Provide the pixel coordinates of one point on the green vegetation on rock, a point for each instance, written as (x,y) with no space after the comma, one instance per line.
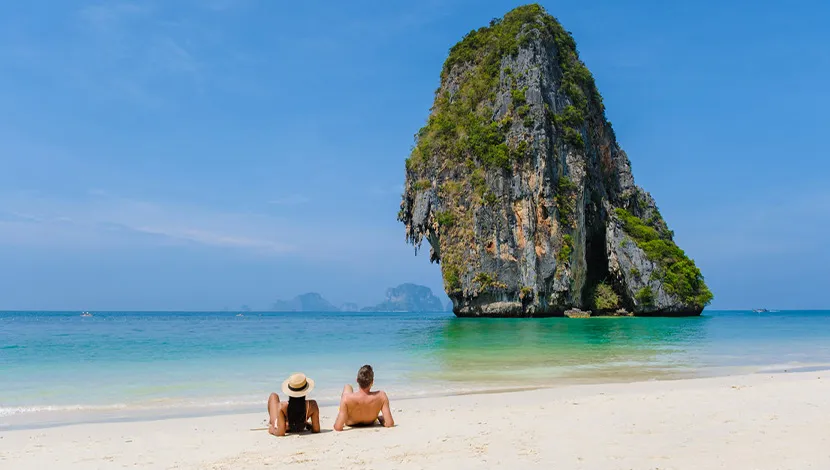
(645,296)
(452,279)
(605,298)
(678,273)
(570,116)
(487,281)
(564,254)
(568,122)
(478,182)
(519,97)
(573,137)
(490,198)
(566,201)
(487,142)
(445,219)
(460,127)
(422,184)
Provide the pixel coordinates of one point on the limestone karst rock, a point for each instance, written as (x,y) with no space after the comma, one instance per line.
(523,193)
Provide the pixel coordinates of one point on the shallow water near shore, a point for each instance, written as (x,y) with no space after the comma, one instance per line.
(60,368)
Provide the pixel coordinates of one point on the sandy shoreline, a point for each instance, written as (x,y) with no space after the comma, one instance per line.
(769,421)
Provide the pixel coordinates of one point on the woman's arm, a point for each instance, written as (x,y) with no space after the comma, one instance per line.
(281,422)
(314,411)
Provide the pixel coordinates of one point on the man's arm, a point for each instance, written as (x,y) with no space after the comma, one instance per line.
(342,416)
(386,410)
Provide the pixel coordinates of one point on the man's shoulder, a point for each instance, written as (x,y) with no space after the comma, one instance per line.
(349,397)
(380,394)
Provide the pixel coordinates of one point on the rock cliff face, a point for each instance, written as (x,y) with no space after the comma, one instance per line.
(523,193)
(408,298)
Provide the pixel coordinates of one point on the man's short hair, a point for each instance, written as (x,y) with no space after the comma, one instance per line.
(365,376)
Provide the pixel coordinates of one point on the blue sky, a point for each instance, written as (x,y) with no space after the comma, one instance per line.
(206,154)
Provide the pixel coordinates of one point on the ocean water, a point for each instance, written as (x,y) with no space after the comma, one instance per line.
(59,367)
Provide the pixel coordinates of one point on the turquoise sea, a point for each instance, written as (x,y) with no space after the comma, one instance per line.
(59,367)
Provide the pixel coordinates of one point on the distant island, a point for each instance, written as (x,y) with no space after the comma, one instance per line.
(406,297)
(527,200)
(310,302)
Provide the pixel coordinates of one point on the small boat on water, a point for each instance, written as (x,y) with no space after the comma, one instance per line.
(760,310)
(86,314)
(239,315)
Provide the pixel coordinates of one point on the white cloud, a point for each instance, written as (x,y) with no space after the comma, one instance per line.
(101,220)
(142,53)
(111,16)
(290,200)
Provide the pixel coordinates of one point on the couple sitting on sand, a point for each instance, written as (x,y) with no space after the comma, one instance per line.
(361,408)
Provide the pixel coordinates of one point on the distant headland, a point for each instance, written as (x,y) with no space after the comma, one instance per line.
(406,297)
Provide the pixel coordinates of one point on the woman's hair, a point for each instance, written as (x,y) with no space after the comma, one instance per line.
(296,413)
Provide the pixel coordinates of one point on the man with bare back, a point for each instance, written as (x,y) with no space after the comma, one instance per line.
(363,407)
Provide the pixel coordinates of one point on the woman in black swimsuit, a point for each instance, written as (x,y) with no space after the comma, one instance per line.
(298,414)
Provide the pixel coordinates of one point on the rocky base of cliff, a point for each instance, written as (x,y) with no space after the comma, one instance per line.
(489,308)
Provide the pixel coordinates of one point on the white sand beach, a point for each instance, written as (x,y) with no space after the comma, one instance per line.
(771,421)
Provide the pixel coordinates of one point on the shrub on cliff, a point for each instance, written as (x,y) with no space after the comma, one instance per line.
(564,255)
(487,281)
(566,200)
(678,273)
(445,219)
(605,298)
(645,296)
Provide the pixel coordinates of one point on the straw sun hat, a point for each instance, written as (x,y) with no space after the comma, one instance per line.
(298,385)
